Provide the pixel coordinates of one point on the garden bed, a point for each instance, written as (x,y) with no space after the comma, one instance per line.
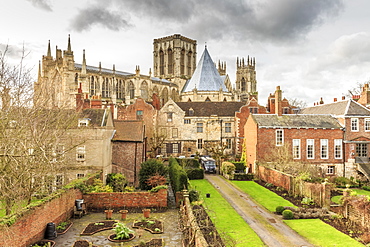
(93,228)
(63,227)
(153,226)
(82,243)
(154,242)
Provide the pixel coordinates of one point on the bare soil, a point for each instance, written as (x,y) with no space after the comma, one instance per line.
(153,226)
(82,243)
(95,227)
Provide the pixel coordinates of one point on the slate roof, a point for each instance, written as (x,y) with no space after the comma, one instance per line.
(205,76)
(117,72)
(341,108)
(206,109)
(129,131)
(296,121)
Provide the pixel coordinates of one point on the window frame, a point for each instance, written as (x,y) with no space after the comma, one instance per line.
(330,170)
(200,143)
(308,144)
(279,137)
(324,148)
(338,148)
(296,148)
(354,124)
(199,127)
(228,127)
(367,124)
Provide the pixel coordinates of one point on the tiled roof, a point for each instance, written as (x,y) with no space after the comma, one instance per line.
(97,117)
(205,109)
(130,131)
(206,76)
(341,108)
(296,121)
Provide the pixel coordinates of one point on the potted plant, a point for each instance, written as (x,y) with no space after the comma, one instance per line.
(123,233)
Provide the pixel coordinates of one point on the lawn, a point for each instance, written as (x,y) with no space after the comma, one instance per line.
(262,196)
(321,234)
(336,199)
(225,218)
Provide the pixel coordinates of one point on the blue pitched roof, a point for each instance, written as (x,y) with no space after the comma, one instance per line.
(206,76)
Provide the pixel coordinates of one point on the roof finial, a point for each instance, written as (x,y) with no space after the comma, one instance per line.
(69,43)
(49,51)
(205,44)
(83,70)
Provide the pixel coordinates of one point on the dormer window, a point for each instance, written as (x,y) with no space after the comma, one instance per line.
(191,112)
(83,122)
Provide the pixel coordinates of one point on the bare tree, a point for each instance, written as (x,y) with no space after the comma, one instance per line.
(155,142)
(33,140)
(356,90)
(217,150)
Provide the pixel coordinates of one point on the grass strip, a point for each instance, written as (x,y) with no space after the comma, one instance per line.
(321,234)
(262,196)
(225,218)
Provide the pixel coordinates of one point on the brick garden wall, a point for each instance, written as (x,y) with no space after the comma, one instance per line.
(319,193)
(102,201)
(30,228)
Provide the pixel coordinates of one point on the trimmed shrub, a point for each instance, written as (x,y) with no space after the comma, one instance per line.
(288,214)
(279,209)
(178,176)
(243,176)
(150,168)
(228,169)
(117,181)
(188,163)
(195,173)
(239,166)
(366,188)
(193,195)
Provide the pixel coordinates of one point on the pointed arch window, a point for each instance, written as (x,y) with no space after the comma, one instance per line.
(243,85)
(105,88)
(120,90)
(182,62)
(131,90)
(170,61)
(76,78)
(93,86)
(144,90)
(190,54)
(161,62)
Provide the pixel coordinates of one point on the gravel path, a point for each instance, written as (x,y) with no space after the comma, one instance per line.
(269,227)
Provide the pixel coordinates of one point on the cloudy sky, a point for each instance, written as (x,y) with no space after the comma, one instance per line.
(311,48)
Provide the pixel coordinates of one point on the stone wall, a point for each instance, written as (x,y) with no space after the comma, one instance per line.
(30,227)
(102,201)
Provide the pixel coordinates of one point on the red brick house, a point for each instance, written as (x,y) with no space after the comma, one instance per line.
(128,149)
(355,118)
(314,139)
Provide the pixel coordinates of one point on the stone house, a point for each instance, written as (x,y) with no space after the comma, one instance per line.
(128,149)
(313,139)
(191,125)
(355,119)
(93,148)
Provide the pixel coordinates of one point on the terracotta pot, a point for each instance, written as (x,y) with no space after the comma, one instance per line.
(123,214)
(112,236)
(146,213)
(108,214)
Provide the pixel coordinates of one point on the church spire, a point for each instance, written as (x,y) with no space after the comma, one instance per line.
(39,74)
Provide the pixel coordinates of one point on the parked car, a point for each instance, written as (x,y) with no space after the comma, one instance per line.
(208,164)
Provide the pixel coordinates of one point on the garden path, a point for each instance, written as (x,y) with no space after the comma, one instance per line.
(269,227)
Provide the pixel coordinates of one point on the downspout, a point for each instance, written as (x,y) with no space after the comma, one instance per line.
(344,152)
(135,164)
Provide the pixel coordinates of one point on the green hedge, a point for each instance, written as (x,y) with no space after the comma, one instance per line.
(178,176)
(239,165)
(188,163)
(243,176)
(196,173)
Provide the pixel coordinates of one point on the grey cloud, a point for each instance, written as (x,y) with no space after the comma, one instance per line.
(12,51)
(42,4)
(97,15)
(241,20)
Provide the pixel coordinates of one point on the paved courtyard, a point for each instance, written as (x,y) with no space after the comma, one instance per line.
(172,235)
